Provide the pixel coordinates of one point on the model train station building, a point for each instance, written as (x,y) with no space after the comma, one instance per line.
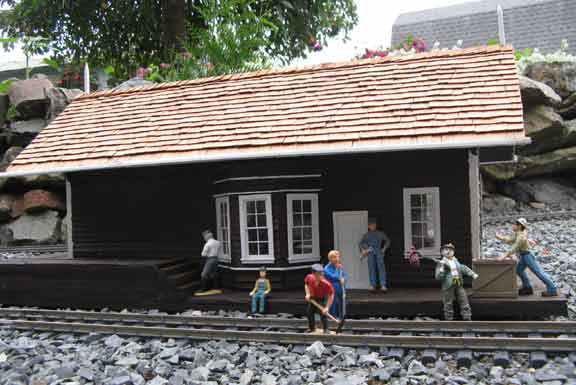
(285,165)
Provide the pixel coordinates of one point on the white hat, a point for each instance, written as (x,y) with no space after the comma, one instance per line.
(523,222)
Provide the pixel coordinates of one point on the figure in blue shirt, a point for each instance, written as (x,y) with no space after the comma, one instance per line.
(374,245)
(334,273)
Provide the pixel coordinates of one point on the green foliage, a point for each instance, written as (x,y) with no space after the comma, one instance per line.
(128,34)
(492,42)
(5,85)
(522,54)
(230,44)
(12,113)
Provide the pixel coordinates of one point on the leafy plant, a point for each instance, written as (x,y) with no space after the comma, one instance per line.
(230,44)
(5,85)
(29,46)
(12,113)
(529,56)
(130,34)
(492,42)
(522,54)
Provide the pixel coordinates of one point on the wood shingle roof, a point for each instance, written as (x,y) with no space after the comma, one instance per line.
(457,98)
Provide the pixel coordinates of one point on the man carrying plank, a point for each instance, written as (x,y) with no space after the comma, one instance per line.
(318,290)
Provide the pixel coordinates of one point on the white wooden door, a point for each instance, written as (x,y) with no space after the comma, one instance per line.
(349,227)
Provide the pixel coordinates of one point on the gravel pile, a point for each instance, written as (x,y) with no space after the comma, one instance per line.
(51,359)
(555,251)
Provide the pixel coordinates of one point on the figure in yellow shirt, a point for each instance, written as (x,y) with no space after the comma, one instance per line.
(261,289)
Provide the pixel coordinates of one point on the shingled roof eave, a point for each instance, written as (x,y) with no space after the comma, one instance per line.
(267,155)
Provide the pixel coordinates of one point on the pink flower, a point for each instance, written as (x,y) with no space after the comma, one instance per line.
(164,65)
(315,45)
(142,72)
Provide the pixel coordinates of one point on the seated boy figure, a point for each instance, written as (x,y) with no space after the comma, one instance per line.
(261,290)
(451,273)
(319,290)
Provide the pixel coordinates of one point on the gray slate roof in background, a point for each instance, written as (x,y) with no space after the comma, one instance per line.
(528,24)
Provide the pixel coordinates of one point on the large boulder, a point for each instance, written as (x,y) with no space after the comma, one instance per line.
(561,77)
(59,99)
(9,156)
(42,200)
(29,97)
(535,93)
(567,109)
(41,228)
(33,182)
(551,138)
(542,122)
(556,161)
(6,202)
(542,190)
(32,126)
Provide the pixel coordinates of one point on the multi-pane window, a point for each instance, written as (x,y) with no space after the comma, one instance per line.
(256,228)
(223,227)
(303,236)
(422,219)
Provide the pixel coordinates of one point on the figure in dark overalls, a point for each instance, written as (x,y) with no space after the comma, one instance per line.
(374,245)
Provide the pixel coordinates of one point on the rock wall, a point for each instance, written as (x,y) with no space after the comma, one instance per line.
(545,173)
(32,208)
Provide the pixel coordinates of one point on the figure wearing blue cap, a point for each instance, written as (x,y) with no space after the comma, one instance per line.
(319,295)
(374,245)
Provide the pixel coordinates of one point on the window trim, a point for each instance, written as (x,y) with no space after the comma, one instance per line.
(223,257)
(245,257)
(315,255)
(435,191)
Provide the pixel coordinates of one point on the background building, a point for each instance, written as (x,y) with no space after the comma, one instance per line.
(528,24)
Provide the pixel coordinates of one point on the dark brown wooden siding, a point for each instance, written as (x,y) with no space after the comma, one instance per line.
(143,213)
(160,212)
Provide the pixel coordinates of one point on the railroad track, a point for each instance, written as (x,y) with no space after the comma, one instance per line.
(538,336)
(531,217)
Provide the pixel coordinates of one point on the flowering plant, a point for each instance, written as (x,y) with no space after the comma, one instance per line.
(410,45)
(530,56)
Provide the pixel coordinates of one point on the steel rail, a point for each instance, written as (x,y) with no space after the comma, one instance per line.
(510,327)
(372,340)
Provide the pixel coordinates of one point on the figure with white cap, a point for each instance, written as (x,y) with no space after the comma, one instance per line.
(210,251)
(320,291)
(452,273)
(526,259)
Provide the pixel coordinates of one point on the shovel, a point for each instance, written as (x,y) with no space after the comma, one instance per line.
(339,322)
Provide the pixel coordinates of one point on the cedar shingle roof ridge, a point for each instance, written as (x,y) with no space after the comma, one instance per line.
(303,69)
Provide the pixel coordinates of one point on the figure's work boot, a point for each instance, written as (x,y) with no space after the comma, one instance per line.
(549,294)
(526,291)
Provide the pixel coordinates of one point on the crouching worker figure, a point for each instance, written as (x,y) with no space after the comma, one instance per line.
(451,273)
(319,295)
(261,290)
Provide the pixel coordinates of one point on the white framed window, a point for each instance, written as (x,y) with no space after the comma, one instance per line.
(256,232)
(223,227)
(422,219)
(303,233)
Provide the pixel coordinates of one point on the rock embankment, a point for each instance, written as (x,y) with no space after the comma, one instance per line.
(32,209)
(545,174)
